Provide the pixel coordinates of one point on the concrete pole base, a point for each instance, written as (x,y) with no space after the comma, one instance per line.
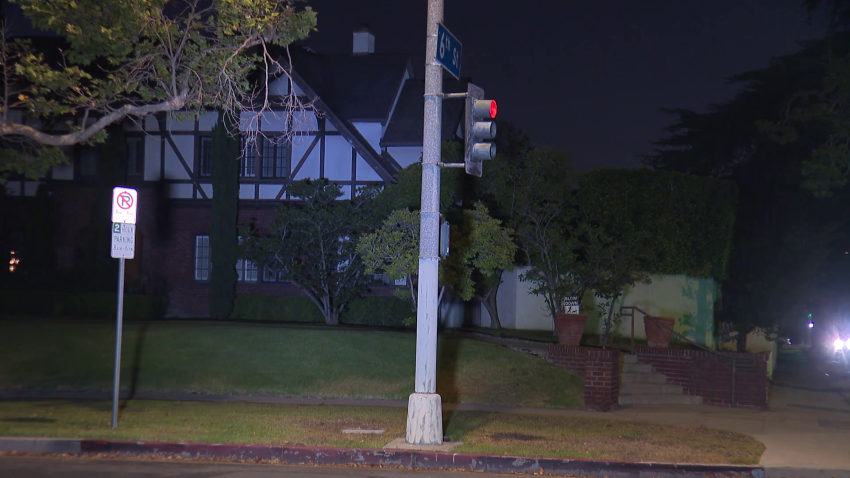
(424,419)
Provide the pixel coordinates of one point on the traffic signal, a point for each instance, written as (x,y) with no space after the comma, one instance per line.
(480,130)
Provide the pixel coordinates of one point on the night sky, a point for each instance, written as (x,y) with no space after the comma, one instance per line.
(586,77)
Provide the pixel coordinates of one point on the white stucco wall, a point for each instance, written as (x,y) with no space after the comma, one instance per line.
(689,300)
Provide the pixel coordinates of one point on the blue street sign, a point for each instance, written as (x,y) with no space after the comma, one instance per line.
(448,51)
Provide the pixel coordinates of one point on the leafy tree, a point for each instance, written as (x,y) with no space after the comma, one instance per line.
(818,116)
(394,250)
(534,191)
(480,246)
(484,249)
(608,264)
(313,243)
(406,192)
(224,242)
(132,59)
(782,233)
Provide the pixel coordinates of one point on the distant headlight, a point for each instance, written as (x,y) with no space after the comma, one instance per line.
(839,344)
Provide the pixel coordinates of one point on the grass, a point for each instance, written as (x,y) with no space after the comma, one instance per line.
(228,358)
(536,335)
(489,433)
(590,340)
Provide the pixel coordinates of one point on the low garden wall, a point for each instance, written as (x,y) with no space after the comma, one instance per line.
(709,375)
(600,369)
(700,373)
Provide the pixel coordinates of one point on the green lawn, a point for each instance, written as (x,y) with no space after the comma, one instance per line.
(227,358)
(490,433)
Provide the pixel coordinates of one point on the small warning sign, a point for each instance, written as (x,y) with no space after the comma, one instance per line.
(123,240)
(124,205)
(571,305)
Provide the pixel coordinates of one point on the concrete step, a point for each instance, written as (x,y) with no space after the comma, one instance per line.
(643,378)
(637,368)
(659,399)
(635,388)
(628,358)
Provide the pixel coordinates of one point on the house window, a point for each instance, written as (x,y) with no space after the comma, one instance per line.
(135,156)
(246,271)
(88,162)
(202,258)
(248,168)
(206,157)
(273,275)
(275,155)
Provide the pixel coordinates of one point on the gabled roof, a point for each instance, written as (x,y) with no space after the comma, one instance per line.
(406,125)
(356,87)
(384,165)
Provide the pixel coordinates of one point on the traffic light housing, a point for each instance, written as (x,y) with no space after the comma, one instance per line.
(480,130)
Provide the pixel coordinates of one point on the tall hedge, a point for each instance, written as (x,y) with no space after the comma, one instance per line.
(688,220)
(224,241)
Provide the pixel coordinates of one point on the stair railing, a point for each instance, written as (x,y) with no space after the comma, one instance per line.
(629,311)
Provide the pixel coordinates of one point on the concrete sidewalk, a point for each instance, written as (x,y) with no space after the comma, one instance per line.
(807,433)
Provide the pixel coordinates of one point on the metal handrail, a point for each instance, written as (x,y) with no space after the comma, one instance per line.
(631,314)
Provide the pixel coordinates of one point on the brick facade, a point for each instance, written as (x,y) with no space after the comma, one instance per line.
(165,244)
(600,369)
(709,375)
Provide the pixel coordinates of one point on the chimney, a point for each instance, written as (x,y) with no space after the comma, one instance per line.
(364,41)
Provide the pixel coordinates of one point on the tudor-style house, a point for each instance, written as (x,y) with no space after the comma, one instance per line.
(365,124)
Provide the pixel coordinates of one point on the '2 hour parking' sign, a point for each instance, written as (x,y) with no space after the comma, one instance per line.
(123,240)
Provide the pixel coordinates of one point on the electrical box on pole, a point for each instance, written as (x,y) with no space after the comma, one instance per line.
(480,130)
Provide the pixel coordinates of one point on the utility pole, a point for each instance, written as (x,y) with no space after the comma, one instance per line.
(424,409)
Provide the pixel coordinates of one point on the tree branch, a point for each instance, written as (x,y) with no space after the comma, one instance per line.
(9,128)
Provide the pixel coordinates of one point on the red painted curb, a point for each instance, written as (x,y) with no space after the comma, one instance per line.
(421,460)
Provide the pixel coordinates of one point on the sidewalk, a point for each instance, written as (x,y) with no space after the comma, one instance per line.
(807,433)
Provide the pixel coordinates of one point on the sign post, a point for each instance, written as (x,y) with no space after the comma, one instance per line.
(124,202)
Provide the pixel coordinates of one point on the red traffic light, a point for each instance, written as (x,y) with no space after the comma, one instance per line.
(484,109)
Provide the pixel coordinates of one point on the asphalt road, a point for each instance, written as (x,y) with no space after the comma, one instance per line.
(30,467)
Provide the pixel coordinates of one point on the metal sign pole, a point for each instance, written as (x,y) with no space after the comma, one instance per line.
(118,328)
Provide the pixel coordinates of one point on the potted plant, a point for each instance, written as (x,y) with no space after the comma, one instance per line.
(559,281)
(659,330)
(569,325)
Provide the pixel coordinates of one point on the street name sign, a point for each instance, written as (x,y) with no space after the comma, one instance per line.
(124,204)
(123,240)
(448,51)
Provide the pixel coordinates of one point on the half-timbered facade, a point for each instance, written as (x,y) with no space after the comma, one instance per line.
(363,125)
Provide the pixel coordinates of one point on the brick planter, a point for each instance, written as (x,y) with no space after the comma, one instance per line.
(600,369)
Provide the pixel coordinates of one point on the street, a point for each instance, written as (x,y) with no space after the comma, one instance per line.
(30,467)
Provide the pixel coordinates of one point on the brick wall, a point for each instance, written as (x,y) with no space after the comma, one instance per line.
(602,379)
(600,369)
(709,375)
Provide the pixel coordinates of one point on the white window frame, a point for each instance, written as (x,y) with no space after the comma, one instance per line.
(202,254)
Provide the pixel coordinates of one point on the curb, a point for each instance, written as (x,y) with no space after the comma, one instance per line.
(293,455)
